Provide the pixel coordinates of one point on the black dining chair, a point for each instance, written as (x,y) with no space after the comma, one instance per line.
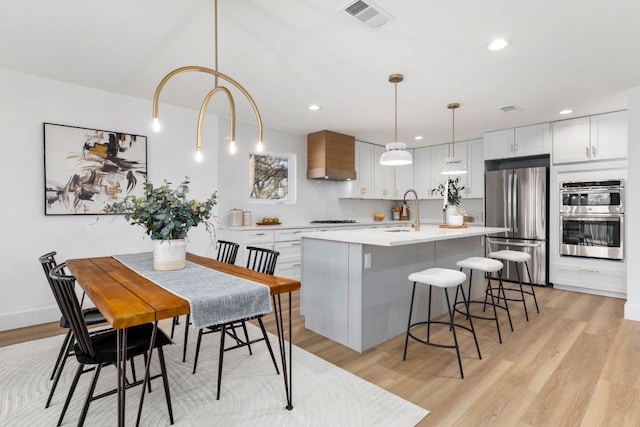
(100,349)
(91,317)
(227,253)
(261,260)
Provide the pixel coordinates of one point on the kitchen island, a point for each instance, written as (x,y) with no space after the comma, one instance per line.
(354,282)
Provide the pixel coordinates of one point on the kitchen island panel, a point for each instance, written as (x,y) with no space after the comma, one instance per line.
(362,307)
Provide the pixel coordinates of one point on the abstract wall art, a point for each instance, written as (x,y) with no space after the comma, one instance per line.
(86,168)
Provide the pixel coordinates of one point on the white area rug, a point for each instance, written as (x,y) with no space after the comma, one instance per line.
(252,394)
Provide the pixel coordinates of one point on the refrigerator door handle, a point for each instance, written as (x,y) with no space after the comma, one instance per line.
(515,203)
(509,205)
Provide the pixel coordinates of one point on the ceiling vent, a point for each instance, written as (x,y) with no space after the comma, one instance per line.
(368,13)
(510,109)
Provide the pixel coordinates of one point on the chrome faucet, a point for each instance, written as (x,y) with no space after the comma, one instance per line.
(416,224)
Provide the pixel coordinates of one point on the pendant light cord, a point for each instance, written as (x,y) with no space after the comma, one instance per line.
(395,106)
(453,132)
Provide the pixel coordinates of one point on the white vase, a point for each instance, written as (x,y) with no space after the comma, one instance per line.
(169,254)
(453,215)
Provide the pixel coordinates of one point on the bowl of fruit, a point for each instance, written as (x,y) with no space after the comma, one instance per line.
(269,221)
(379,216)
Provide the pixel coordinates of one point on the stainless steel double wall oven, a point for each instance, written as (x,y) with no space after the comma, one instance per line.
(592,219)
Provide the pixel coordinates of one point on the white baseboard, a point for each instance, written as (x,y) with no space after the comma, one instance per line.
(632,311)
(26,318)
(590,291)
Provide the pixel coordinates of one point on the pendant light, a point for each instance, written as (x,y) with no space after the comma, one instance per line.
(216,88)
(396,155)
(453,166)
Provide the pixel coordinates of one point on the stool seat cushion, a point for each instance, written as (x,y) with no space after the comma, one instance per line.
(441,277)
(507,255)
(487,265)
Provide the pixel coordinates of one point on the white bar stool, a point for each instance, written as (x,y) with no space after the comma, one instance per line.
(487,266)
(518,257)
(442,278)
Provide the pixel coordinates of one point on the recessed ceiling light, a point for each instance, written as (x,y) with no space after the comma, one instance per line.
(418,138)
(313,107)
(498,44)
(567,111)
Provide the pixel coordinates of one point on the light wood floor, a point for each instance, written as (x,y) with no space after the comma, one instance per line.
(577,363)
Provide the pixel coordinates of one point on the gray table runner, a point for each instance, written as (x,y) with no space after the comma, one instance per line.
(214,297)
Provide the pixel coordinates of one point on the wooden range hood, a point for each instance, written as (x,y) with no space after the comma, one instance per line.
(331,156)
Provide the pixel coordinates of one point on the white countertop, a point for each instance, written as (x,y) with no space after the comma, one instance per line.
(398,236)
(364,223)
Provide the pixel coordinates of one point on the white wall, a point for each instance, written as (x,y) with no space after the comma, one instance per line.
(26,103)
(632,307)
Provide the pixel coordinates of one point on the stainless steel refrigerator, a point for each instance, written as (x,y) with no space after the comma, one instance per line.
(517,198)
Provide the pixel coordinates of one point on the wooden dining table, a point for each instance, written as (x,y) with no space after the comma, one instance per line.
(126,299)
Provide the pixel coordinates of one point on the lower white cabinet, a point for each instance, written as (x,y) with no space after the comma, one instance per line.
(593,276)
(286,241)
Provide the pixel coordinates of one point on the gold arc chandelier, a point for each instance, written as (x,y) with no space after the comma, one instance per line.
(205,103)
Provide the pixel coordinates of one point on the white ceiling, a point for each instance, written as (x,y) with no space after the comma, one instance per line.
(288,54)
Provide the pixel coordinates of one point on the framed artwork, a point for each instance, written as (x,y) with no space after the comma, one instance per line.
(272,178)
(86,168)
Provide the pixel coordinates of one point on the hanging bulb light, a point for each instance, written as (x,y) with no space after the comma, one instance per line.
(217,88)
(453,166)
(396,155)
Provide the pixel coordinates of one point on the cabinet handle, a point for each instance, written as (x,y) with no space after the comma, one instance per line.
(593,151)
(297,232)
(586,151)
(296,265)
(259,234)
(589,270)
(515,147)
(296,244)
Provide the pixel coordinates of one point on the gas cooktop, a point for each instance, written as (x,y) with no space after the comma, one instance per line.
(333,221)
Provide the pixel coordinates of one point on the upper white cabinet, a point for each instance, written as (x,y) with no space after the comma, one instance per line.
(532,140)
(362,187)
(474,189)
(422,172)
(404,176)
(439,154)
(499,144)
(384,177)
(599,137)
(518,142)
(609,136)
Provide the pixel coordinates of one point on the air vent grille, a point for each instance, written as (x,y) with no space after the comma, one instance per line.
(509,109)
(368,13)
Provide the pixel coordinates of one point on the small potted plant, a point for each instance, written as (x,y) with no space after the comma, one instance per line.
(167,215)
(453,193)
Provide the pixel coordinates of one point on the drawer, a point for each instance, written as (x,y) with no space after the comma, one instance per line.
(289,251)
(593,277)
(289,270)
(258,236)
(289,234)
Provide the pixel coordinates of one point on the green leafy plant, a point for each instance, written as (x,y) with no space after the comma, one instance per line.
(454,195)
(165,213)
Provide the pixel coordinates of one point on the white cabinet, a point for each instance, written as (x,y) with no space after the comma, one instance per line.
(404,176)
(594,277)
(572,140)
(439,154)
(583,139)
(609,136)
(422,172)
(518,142)
(384,177)
(475,169)
(532,140)
(286,241)
(499,144)
(362,187)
